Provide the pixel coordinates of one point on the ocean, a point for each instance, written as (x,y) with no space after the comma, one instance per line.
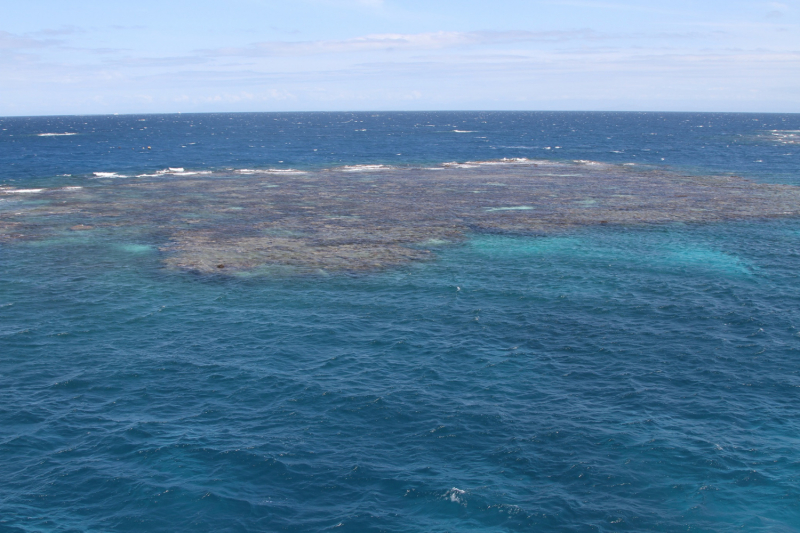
(401,322)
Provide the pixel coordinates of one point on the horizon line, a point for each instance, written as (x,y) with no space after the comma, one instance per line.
(401,111)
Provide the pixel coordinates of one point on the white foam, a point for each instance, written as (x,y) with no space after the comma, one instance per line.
(459,165)
(75,188)
(21,191)
(108,175)
(508,161)
(786,136)
(285,171)
(269,171)
(455,494)
(170,170)
(66,133)
(514,208)
(170,173)
(495,162)
(173,171)
(463,131)
(364,168)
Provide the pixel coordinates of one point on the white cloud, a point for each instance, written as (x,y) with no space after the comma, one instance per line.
(400,41)
(10,41)
(63,30)
(576,68)
(350,3)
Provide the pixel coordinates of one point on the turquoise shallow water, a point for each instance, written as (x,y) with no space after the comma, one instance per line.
(599,379)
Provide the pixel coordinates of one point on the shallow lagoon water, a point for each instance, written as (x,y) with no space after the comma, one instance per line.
(599,378)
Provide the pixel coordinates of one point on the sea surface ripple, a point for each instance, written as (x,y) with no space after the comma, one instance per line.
(601,379)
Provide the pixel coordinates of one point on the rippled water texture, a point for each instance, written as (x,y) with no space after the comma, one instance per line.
(541,345)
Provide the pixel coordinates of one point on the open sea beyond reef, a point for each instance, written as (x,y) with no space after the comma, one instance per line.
(403,322)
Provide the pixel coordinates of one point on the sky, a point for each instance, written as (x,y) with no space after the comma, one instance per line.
(146,56)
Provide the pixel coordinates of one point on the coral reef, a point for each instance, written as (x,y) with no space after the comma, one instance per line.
(345,220)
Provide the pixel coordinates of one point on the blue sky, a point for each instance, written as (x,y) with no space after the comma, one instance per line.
(260,55)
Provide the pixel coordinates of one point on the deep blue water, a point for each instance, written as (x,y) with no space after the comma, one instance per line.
(604,379)
(696,142)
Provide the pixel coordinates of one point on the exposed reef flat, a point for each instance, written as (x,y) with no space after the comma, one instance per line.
(345,220)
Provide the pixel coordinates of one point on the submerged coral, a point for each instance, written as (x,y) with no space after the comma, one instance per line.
(339,219)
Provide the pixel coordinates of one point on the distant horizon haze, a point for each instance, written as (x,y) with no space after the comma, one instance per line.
(406,111)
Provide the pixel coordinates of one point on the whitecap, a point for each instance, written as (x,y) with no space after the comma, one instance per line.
(785,136)
(285,171)
(108,175)
(512,208)
(455,494)
(364,168)
(175,171)
(268,171)
(493,162)
(66,133)
(463,131)
(21,191)
(459,165)
(504,161)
